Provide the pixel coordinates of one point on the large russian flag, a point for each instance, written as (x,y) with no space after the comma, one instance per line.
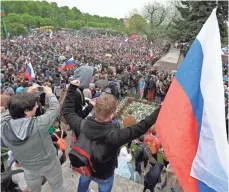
(69,64)
(191,124)
(29,72)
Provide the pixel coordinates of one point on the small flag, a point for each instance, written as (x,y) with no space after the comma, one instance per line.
(191,124)
(29,72)
(150,55)
(69,64)
(50,35)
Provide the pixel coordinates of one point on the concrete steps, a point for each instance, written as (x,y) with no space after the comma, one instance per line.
(71,180)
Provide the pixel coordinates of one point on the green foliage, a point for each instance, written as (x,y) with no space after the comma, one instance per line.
(159,17)
(14,18)
(27,19)
(39,21)
(16,29)
(39,13)
(193,16)
(137,23)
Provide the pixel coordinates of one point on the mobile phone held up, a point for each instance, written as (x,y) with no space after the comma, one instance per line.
(40,89)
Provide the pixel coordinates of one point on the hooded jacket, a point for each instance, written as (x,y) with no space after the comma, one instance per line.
(84,75)
(29,139)
(108,139)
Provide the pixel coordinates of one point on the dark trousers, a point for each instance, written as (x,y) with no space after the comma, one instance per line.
(145,93)
(138,167)
(151,190)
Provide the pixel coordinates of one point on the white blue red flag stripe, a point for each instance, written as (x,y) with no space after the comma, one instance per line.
(191,123)
(29,71)
(150,54)
(69,64)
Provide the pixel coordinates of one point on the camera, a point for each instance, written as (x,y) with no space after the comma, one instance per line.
(40,89)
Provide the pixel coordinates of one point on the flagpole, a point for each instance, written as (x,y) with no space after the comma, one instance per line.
(4,23)
(217,3)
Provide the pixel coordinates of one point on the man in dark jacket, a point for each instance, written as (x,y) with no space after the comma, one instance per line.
(100,128)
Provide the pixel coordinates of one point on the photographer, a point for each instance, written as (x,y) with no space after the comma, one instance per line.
(28,138)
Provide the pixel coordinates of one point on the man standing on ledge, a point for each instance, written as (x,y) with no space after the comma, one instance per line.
(28,138)
(100,129)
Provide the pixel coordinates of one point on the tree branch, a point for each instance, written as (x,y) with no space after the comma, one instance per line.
(163,15)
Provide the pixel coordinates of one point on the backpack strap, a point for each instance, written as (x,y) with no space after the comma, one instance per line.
(14,172)
(81,95)
(82,124)
(56,136)
(62,134)
(11,164)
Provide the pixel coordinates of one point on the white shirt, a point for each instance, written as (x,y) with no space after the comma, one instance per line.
(19,178)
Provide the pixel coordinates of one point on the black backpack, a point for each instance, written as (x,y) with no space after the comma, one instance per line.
(7,185)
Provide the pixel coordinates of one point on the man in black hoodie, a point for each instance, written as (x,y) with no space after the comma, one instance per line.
(100,128)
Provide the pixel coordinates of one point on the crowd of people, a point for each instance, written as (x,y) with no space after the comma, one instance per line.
(35,113)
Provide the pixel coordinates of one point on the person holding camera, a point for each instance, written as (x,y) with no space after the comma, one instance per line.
(28,138)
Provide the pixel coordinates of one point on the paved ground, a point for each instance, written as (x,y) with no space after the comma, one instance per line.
(71,180)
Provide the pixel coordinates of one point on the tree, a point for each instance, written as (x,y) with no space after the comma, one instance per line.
(28,20)
(39,21)
(155,13)
(160,17)
(70,24)
(38,13)
(47,21)
(14,18)
(62,20)
(16,29)
(36,8)
(137,23)
(193,16)
(78,24)
(54,4)
(46,11)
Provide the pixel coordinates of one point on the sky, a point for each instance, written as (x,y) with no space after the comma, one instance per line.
(109,8)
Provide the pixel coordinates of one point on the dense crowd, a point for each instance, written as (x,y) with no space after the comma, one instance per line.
(129,59)
(83,98)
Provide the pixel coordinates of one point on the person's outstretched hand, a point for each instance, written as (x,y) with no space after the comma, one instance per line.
(33,89)
(75,82)
(93,102)
(47,90)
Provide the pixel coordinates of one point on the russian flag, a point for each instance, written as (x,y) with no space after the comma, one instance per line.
(150,54)
(69,64)
(191,124)
(29,72)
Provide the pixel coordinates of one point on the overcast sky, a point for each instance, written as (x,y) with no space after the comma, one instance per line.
(109,8)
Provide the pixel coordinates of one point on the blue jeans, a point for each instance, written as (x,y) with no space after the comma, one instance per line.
(105,185)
